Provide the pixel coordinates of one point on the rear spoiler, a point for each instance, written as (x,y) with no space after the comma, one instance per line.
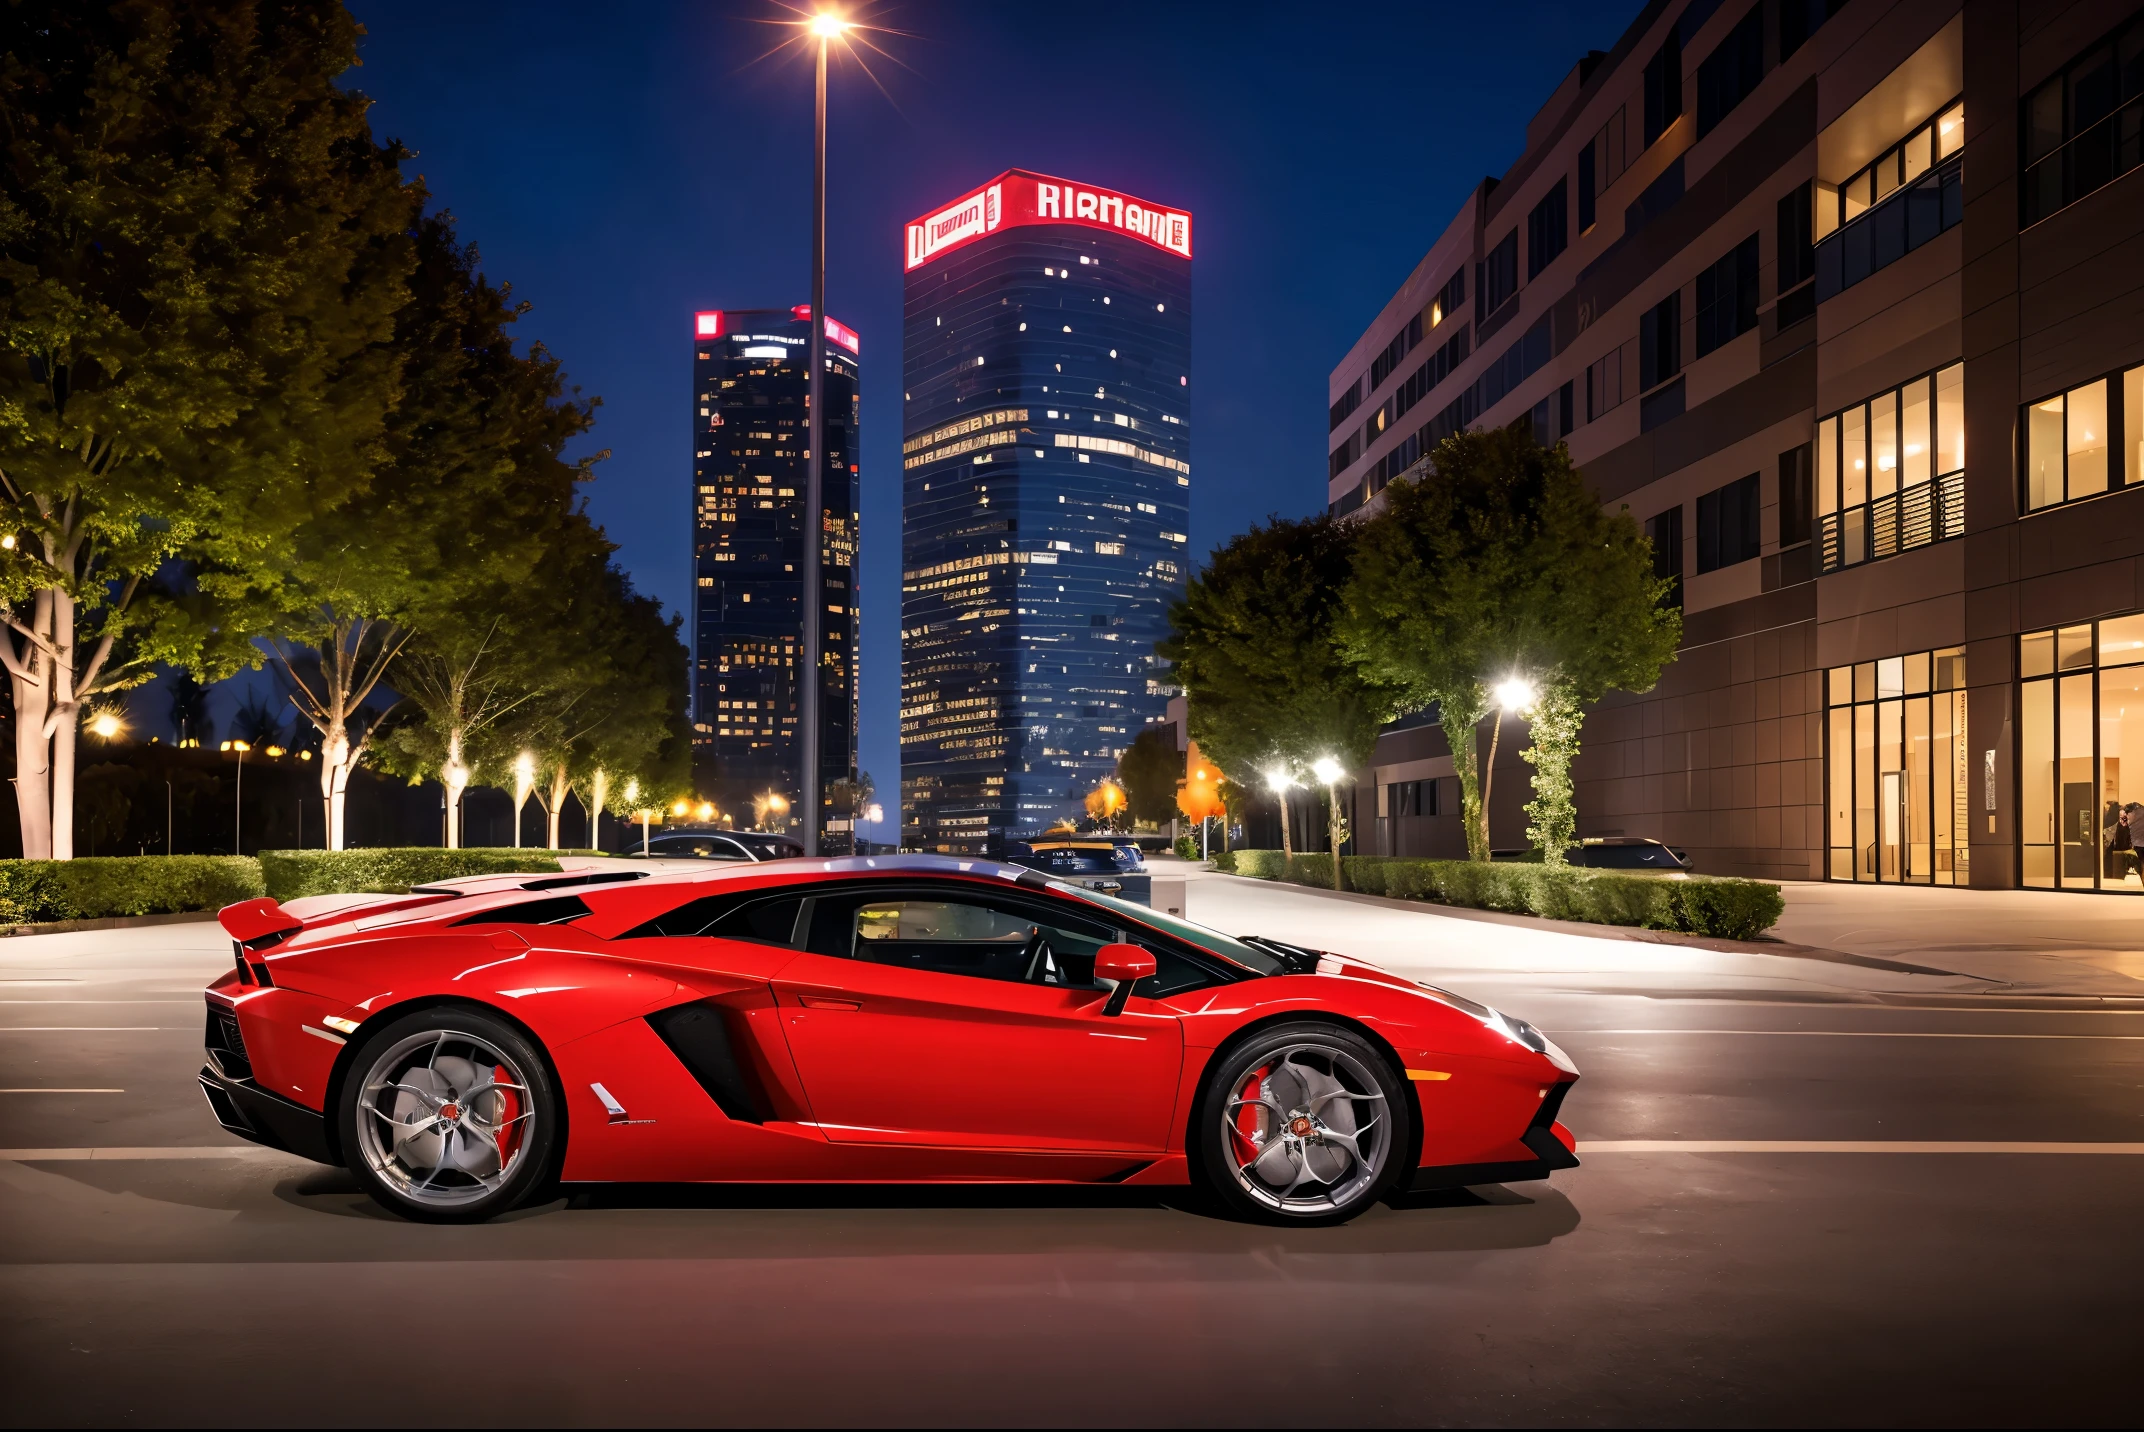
(257,924)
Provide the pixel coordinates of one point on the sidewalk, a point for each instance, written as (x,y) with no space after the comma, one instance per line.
(2012,941)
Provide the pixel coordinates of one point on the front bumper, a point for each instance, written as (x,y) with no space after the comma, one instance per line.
(1550,1149)
(251,1112)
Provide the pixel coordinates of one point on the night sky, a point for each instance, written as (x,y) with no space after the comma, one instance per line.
(624,165)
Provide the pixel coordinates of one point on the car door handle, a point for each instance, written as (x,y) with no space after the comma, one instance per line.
(820,1001)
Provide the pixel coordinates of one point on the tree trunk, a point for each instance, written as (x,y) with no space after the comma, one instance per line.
(335,778)
(61,724)
(521,800)
(1287,844)
(1338,824)
(556,805)
(454,779)
(30,677)
(1461,712)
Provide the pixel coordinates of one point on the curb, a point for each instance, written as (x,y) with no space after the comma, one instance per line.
(115,922)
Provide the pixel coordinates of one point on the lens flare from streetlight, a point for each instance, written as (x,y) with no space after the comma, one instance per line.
(706,810)
(1328,771)
(828,25)
(105,725)
(1278,778)
(1516,694)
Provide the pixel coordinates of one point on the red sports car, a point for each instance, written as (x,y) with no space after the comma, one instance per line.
(875,1019)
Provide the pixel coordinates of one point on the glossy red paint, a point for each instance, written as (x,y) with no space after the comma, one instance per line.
(849,1069)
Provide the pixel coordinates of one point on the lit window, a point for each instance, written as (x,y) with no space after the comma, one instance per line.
(2071,450)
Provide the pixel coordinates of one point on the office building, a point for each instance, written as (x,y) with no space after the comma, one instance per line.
(1046,487)
(751,379)
(1844,302)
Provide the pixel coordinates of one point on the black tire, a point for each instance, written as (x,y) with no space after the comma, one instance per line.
(464,1120)
(1306,1062)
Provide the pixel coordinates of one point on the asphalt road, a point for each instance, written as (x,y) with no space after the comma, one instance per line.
(1761,1233)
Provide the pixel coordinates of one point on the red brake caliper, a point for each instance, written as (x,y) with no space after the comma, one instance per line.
(1249,1116)
(509,1107)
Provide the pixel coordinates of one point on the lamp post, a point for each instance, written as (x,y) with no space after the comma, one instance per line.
(826,27)
(238,806)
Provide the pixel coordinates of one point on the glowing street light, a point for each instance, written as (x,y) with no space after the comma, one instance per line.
(1516,695)
(1328,771)
(1278,778)
(105,725)
(828,25)
(238,810)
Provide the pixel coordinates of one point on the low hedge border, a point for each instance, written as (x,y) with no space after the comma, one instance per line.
(1724,908)
(109,887)
(115,887)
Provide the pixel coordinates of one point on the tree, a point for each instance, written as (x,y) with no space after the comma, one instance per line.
(1150,770)
(1495,563)
(201,250)
(1253,644)
(472,497)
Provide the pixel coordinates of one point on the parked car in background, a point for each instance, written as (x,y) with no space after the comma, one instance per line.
(1628,852)
(742,845)
(1108,866)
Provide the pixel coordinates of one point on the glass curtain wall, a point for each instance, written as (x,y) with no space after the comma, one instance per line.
(2080,708)
(1895,770)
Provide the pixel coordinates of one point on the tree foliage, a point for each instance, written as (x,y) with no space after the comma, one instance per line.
(1150,770)
(1253,645)
(1497,562)
(202,250)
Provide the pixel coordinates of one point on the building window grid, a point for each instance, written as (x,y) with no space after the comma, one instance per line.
(1897,770)
(2080,700)
(2084,441)
(1890,472)
(2084,128)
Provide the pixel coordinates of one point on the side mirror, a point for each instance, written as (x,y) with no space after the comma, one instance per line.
(1126,965)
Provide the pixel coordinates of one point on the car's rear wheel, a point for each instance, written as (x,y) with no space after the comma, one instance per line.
(1302,1123)
(449,1116)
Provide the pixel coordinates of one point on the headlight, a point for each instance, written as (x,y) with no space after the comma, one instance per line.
(1519,1031)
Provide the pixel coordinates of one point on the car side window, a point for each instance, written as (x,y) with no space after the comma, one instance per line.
(766,922)
(949,934)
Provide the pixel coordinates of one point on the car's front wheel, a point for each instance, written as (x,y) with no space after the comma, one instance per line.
(448,1115)
(1302,1123)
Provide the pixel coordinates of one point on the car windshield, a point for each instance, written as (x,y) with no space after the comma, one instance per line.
(1226,946)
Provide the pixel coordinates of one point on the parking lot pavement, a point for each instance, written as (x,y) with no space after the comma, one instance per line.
(1783,1250)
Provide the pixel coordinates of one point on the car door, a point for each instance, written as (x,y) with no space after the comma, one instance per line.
(950,1016)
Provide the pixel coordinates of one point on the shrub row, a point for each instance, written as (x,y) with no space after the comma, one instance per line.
(1703,905)
(103,887)
(391,870)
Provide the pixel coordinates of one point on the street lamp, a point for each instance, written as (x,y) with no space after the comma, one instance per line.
(1330,774)
(1516,694)
(825,27)
(238,811)
(105,725)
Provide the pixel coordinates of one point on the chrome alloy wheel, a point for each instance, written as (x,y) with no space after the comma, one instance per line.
(1307,1130)
(444,1118)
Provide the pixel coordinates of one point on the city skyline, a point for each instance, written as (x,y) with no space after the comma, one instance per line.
(614,221)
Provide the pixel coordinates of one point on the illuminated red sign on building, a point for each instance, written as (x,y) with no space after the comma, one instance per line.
(713,324)
(1017,197)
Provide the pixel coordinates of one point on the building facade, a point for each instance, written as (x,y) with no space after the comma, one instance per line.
(1046,486)
(1844,303)
(751,380)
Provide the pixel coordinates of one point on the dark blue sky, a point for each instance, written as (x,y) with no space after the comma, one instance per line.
(624,165)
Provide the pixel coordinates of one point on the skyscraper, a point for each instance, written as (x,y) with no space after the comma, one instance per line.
(1046,486)
(750,382)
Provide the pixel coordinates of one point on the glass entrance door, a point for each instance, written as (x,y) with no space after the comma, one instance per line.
(1895,757)
(2081,803)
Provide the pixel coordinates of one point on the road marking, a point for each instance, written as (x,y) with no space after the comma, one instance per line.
(1835,1005)
(1863,1033)
(234,1151)
(1840,1146)
(62,1091)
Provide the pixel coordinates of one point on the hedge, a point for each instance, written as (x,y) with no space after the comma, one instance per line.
(100,887)
(289,874)
(1704,905)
